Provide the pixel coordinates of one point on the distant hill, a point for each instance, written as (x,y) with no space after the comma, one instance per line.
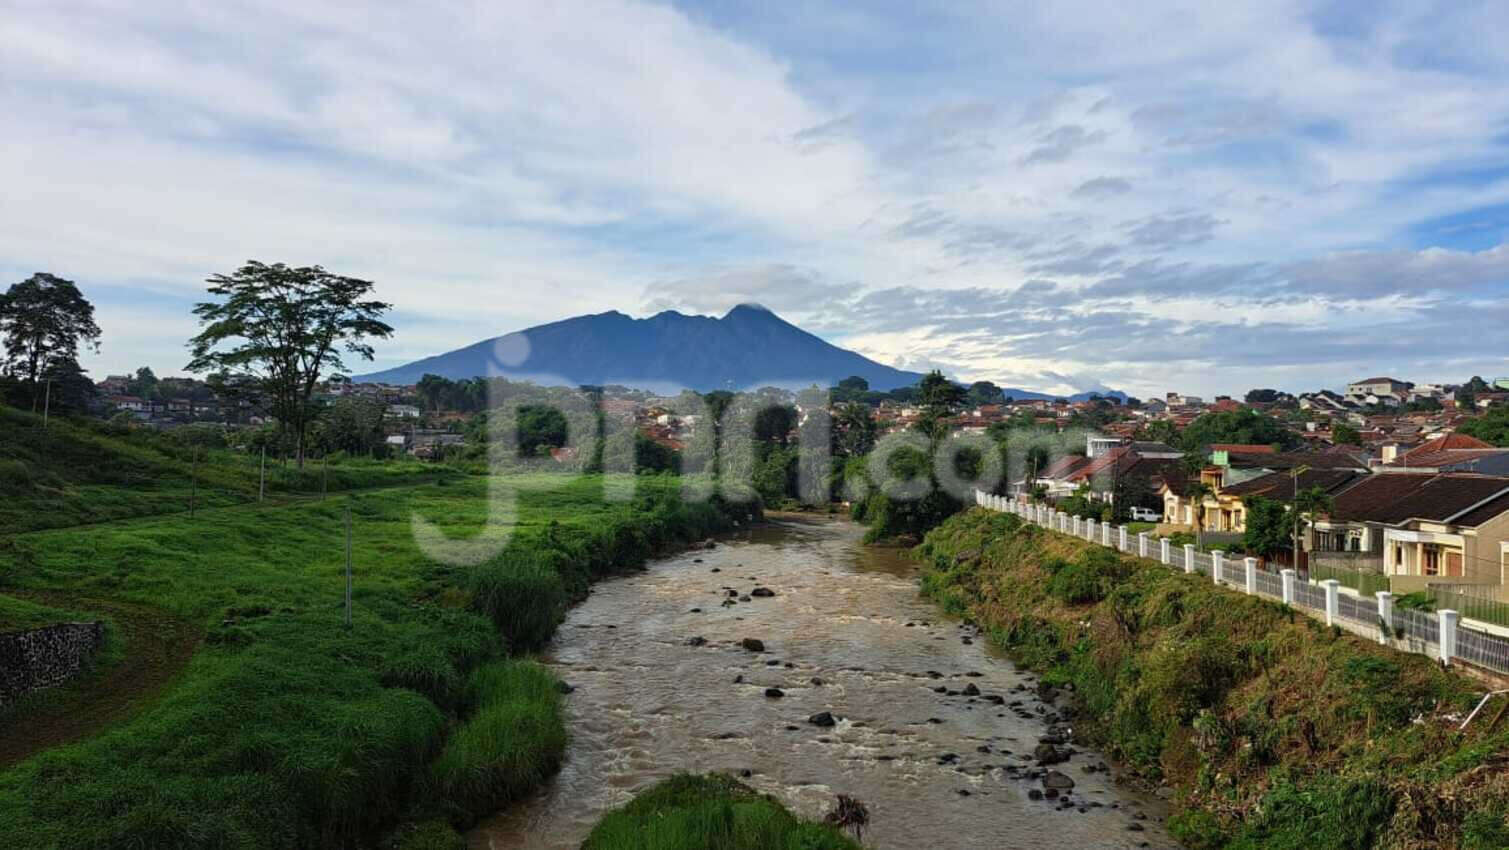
(748,347)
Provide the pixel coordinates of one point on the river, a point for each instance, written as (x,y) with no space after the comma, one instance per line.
(845,632)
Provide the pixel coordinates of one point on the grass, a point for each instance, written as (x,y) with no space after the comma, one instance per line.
(285,729)
(1273,730)
(21,614)
(82,471)
(711,812)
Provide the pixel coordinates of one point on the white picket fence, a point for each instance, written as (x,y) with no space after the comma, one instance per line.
(1439,635)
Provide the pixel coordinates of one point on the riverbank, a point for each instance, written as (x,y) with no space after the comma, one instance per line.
(1270,730)
(286,729)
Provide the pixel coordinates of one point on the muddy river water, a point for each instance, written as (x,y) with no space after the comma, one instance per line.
(935,732)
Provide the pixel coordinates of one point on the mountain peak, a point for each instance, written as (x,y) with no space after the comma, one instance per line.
(749,308)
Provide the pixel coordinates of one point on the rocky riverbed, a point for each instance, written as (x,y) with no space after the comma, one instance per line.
(805,663)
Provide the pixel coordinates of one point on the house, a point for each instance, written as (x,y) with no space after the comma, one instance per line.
(403,411)
(1450,528)
(1224,507)
(1377,387)
(131,403)
(1449,453)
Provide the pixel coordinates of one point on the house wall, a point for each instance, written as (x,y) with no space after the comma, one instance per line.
(1485,550)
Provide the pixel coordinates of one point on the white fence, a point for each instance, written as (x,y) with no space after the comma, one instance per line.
(1439,635)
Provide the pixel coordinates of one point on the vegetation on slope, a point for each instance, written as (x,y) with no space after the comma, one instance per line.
(1275,731)
(82,471)
(288,730)
(711,812)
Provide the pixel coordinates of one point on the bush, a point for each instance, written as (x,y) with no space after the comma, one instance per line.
(709,813)
(510,745)
(1088,578)
(523,594)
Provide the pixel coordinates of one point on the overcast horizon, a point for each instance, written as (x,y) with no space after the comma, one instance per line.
(1064,197)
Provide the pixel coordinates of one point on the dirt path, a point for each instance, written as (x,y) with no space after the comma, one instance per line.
(153,648)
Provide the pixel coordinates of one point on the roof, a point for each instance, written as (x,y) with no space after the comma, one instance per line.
(1378,381)
(1290,460)
(1064,466)
(1242,448)
(1394,499)
(1441,460)
(1280,486)
(1450,442)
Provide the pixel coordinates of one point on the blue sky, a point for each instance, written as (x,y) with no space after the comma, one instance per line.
(1196,196)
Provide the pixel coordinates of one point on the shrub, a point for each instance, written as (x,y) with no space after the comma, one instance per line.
(511,744)
(523,594)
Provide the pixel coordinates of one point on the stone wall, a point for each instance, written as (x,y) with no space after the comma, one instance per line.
(41,658)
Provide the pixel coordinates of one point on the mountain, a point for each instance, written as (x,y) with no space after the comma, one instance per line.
(748,347)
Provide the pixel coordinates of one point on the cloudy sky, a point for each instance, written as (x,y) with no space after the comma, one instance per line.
(1070,195)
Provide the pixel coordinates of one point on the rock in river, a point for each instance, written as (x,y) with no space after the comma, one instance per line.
(762,591)
(822,718)
(753,645)
(1054,779)
(774,693)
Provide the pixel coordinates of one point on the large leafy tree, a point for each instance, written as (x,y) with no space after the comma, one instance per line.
(1491,427)
(940,398)
(43,322)
(1268,526)
(274,330)
(1245,426)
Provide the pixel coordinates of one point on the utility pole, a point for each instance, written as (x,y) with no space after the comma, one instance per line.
(46,404)
(1294,510)
(262,474)
(348,564)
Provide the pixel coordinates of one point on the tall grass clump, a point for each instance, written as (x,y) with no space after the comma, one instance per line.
(512,742)
(522,592)
(712,812)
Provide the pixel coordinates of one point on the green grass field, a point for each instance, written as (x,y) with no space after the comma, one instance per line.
(710,812)
(286,729)
(81,471)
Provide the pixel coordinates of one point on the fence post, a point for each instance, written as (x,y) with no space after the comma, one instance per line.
(1063,522)
(1333,592)
(1123,537)
(1105,534)
(1449,619)
(1385,615)
(1074,523)
(1090,530)
(1215,565)
(1165,553)
(1142,544)
(1189,557)
(1251,576)
(1289,577)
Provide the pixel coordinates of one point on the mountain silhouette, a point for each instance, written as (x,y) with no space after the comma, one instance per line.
(749,347)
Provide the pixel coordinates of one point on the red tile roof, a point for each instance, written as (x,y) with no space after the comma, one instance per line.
(1396,498)
(1243,448)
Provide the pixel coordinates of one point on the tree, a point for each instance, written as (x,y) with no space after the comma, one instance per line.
(985,392)
(352,425)
(1261,396)
(940,398)
(1343,434)
(540,429)
(1309,504)
(144,385)
(854,430)
(1491,427)
(1267,526)
(282,328)
(43,321)
(432,389)
(1159,431)
(1244,426)
(1194,493)
(1466,394)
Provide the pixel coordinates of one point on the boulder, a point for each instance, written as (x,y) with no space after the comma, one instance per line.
(763,592)
(774,693)
(753,644)
(1054,779)
(823,719)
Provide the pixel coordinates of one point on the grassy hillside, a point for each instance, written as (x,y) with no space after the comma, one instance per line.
(710,812)
(1275,731)
(287,730)
(81,471)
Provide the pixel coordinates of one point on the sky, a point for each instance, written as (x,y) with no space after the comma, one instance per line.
(1201,197)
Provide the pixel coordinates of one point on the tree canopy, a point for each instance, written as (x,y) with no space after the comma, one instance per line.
(43,322)
(275,330)
(1491,427)
(1244,426)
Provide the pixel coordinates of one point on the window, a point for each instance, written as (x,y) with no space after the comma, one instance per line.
(1432,560)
